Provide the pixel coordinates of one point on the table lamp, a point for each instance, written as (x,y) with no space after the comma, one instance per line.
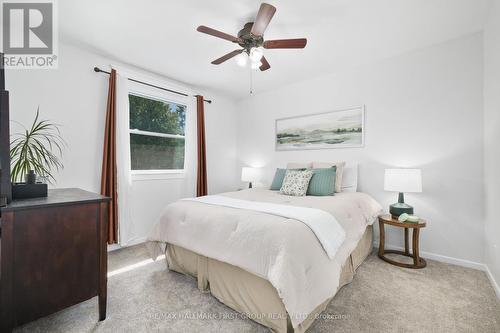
(402,180)
(249,175)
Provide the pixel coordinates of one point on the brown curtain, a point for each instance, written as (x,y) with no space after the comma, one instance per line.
(108,176)
(201,184)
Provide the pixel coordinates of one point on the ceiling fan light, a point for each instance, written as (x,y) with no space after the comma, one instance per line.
(256,54)
(242,59)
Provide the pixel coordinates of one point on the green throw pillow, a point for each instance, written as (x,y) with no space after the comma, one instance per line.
(279,176)
(322,182)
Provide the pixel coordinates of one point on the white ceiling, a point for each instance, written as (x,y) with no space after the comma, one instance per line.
(160,36)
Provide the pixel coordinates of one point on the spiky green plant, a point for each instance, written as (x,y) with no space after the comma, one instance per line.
(38,148)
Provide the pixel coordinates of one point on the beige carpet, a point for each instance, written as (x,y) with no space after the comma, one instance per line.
(382,298)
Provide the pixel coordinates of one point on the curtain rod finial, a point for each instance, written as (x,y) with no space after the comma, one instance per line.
(97,69)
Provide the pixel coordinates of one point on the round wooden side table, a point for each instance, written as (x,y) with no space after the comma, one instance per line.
(393,221)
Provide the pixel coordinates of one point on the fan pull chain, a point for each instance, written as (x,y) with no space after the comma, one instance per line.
(251,81)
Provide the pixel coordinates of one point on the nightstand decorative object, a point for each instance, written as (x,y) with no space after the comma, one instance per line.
(417,261)
(402,180)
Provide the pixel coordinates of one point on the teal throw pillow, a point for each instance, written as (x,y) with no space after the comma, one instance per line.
(322,182)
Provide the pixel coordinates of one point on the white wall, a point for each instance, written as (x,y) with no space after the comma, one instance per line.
(492,139)
(423,109)
(75,97)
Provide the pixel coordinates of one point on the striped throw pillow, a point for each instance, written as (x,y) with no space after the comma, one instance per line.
(322,182)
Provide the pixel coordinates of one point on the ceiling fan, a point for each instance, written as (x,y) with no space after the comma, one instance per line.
(251,39)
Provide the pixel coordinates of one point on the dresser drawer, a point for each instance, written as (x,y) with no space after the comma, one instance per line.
(56,256)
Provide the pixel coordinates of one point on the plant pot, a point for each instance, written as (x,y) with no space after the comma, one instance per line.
(30,177)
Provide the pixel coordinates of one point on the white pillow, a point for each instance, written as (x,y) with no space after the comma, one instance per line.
(339,172)
(294,165)
(350,178)
(296,182)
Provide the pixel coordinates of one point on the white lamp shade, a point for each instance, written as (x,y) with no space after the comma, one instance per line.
(403,180)
(249,174)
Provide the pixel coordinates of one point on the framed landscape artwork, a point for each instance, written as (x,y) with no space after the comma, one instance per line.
(335,129)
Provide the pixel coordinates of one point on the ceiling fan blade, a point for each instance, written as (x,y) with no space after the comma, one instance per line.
(265,64)
(227,57)
(217,33)
(264,16)
(298,43)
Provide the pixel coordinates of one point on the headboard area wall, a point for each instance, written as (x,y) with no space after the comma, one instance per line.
(423,109)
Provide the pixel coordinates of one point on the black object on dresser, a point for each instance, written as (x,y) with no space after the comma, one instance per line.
(28,191)
(53,255)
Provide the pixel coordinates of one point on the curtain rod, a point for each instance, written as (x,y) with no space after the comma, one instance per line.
(98,70)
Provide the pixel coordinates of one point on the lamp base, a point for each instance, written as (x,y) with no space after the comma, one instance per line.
(400,208)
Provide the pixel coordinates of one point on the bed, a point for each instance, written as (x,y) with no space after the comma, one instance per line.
(271,268)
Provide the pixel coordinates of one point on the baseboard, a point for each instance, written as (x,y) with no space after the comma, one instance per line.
(494,283)
(440,258)
(113,247)
(131,242)
(135,241)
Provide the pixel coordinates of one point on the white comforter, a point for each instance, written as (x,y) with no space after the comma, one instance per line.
(328,231)
(284,251)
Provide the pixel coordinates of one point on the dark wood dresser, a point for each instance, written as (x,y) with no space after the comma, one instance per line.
(53,255)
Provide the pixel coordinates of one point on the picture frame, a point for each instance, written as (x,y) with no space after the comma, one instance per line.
(340,128)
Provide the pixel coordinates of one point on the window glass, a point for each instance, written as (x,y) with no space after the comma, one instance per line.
(157,134)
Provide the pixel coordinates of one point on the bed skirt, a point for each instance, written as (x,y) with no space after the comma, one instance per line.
(252,295)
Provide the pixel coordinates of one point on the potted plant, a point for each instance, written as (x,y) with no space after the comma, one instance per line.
(35,152)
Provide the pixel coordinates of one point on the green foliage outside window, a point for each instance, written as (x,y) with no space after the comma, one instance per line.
(156,116)
(153,152)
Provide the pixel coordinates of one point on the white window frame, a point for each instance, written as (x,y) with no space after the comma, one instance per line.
(165,97)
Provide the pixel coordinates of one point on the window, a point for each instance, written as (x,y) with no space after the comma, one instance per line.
(157,137)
